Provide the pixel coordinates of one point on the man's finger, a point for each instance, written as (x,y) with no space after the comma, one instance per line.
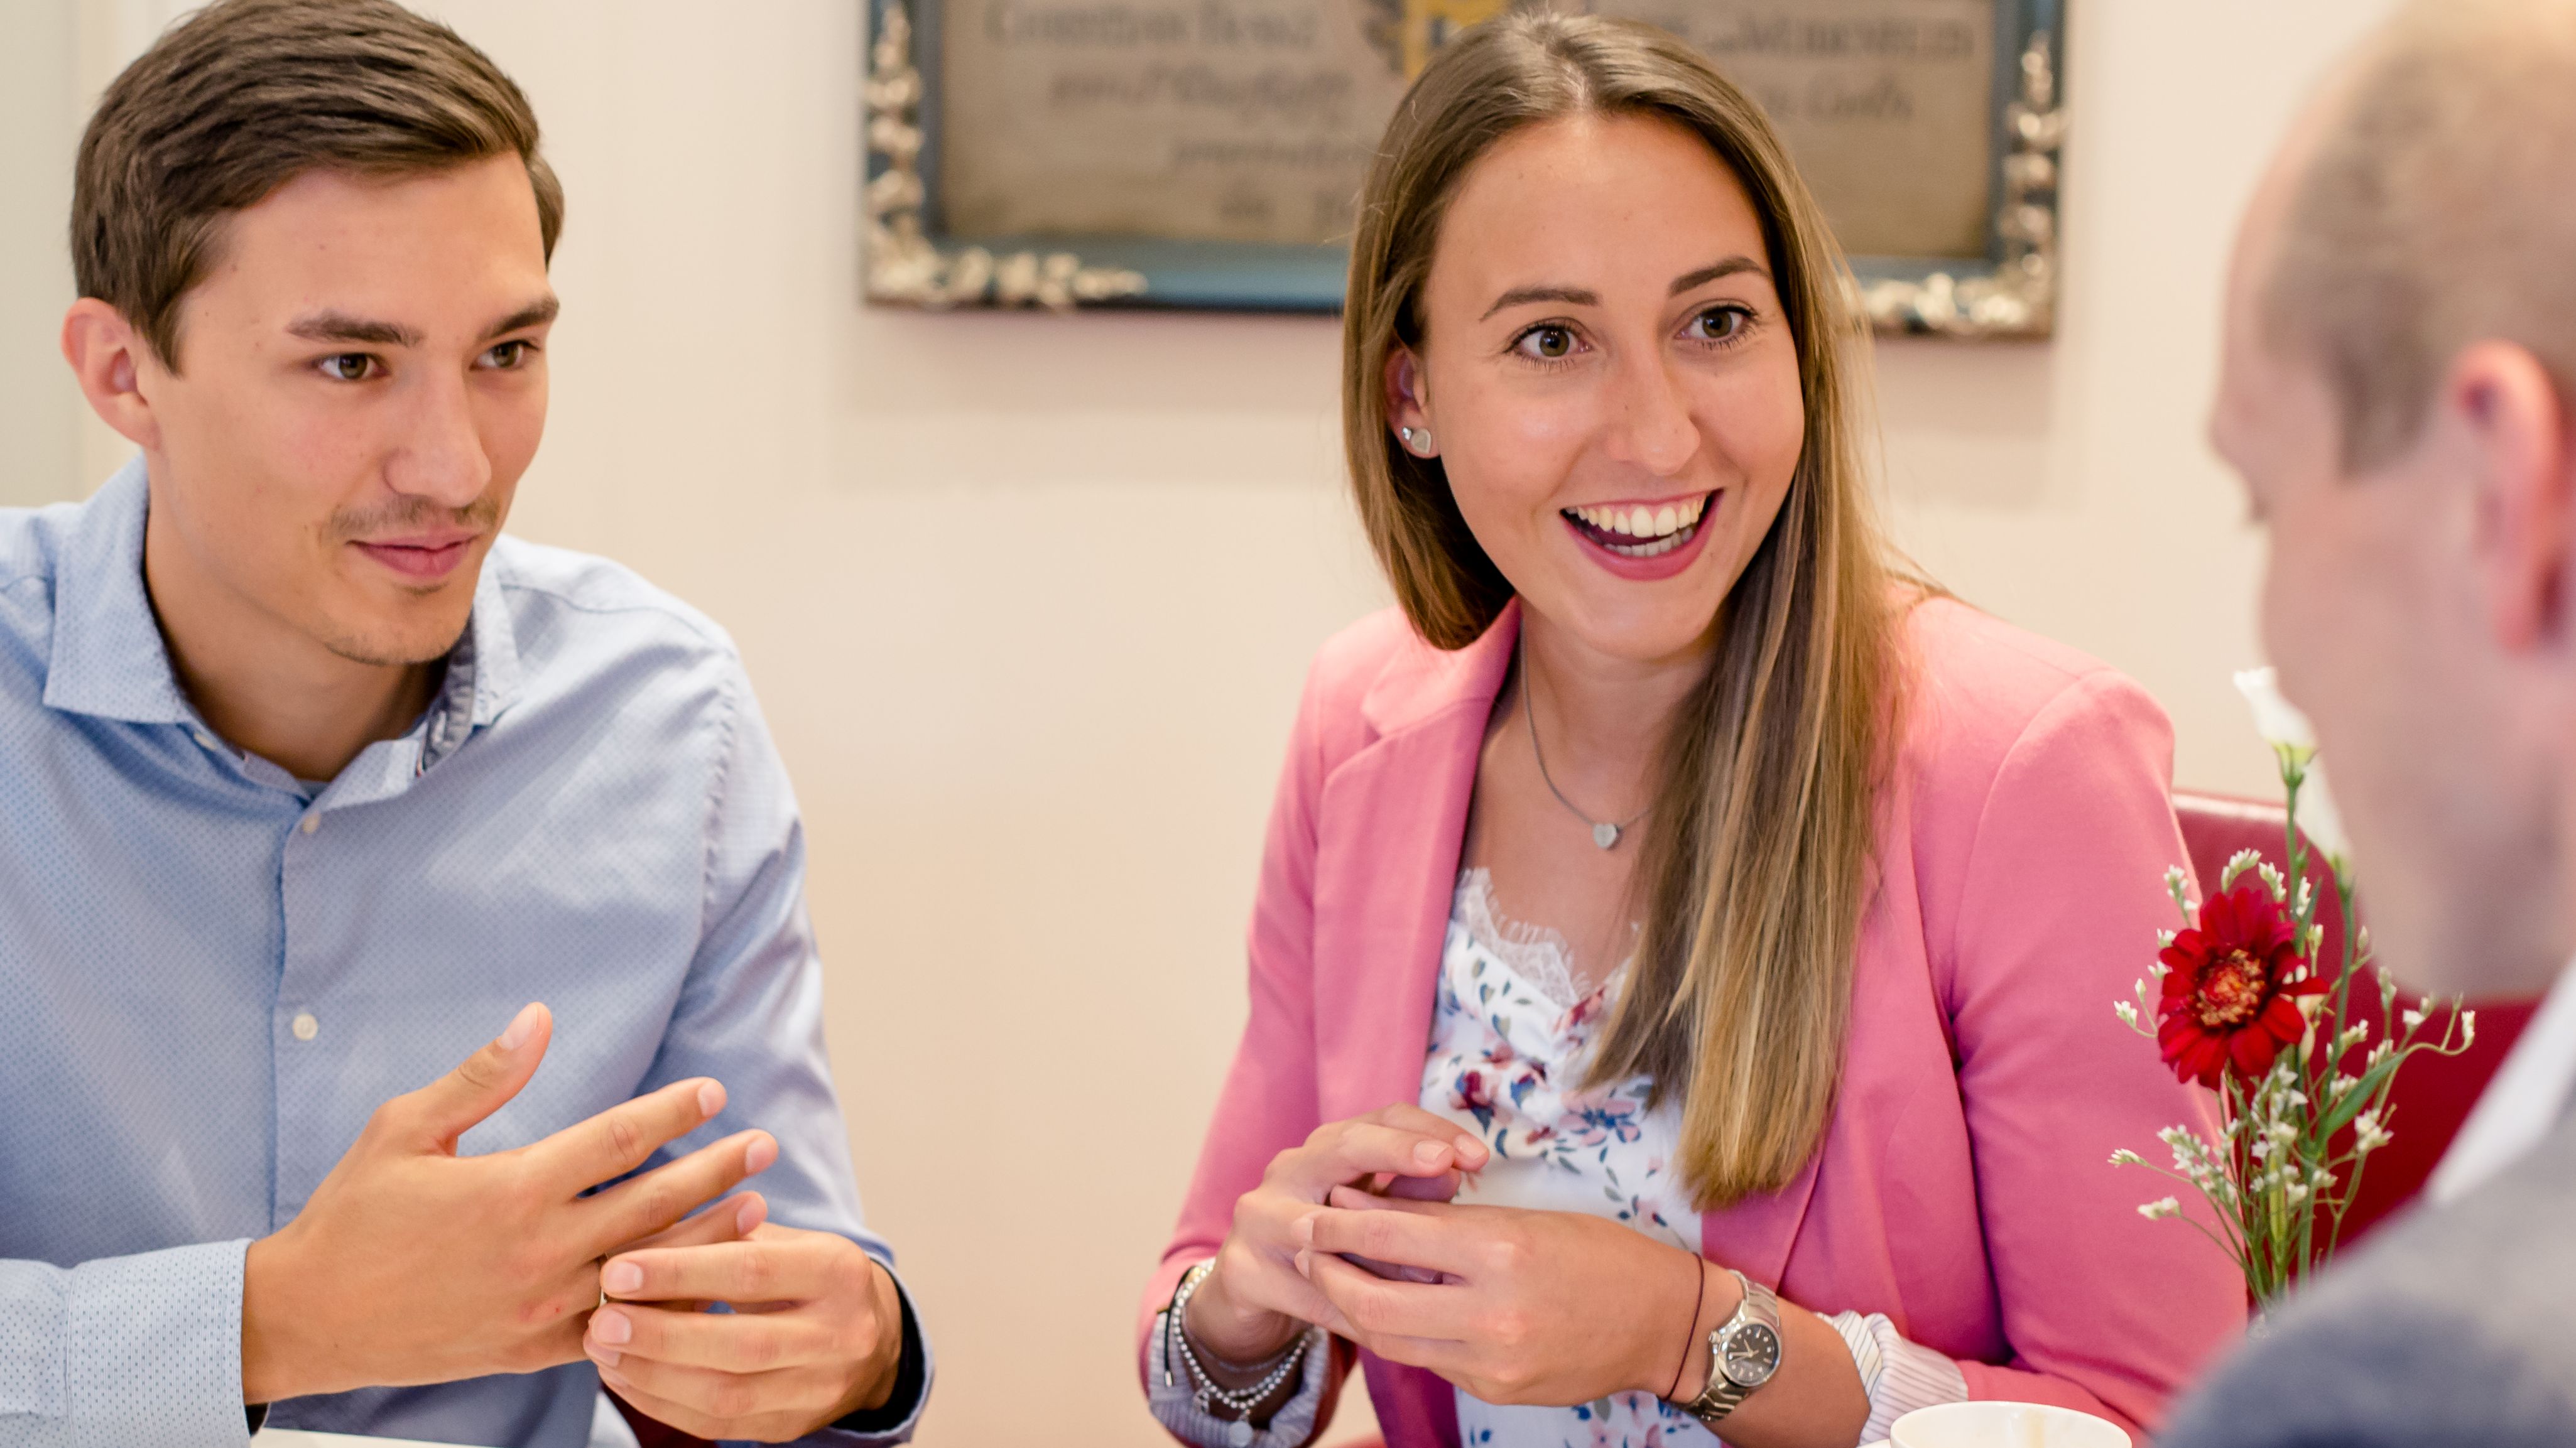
(790,1269)
(633,1210)
(722,1341)
(623,1137)
(730,1220)
(445,1109)
(707,1404)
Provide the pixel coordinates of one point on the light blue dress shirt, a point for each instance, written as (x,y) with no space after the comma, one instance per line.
(210,974)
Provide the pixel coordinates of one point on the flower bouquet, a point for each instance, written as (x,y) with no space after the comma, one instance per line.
(2240,1003)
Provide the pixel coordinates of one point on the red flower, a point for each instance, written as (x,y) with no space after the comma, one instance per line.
(2229,999)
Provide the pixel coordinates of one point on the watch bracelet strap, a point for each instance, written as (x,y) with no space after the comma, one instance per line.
(1723,1394)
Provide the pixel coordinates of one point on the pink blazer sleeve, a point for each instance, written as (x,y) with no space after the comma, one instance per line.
(2058,911)
(1269,1102)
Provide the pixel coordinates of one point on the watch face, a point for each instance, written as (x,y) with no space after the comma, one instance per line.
(1752,1355)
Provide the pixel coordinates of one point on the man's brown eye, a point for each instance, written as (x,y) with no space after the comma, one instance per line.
(347,367)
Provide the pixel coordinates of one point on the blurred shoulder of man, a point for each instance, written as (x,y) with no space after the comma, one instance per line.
(2399,396)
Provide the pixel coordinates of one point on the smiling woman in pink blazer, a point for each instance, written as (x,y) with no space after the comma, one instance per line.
(1682,969)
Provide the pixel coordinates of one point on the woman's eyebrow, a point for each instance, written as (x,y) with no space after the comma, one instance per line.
(1726,268)
(1518,296)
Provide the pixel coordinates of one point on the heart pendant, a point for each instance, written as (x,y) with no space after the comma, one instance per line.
(1605,835)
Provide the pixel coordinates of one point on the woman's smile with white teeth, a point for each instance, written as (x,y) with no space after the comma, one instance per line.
(1658,529)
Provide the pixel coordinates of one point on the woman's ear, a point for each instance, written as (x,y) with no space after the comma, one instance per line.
(1405,405)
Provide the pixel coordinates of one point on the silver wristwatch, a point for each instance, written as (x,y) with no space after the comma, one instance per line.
(1744,1352)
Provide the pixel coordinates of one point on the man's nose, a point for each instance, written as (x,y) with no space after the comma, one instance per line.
(440,456)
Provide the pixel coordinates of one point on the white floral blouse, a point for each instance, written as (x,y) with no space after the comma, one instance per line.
(1508,1031)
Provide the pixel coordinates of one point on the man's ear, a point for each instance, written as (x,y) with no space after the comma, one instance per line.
(110,358)
(2504,420)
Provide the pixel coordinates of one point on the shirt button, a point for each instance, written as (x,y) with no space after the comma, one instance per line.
(304,1026)
(205,740)
(311,823)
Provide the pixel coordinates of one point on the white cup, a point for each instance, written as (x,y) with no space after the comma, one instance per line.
(2004,1425)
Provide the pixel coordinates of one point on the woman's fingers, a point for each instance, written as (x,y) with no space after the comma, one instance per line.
(1354,1150)
(1367,1308)
(1388,1234)
(1441,1188)
(1405,1116)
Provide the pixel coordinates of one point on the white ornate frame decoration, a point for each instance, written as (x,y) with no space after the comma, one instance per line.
(2012,294)
(2015,296)
(904,265)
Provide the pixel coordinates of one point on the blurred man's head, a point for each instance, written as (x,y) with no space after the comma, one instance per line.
(311,240)
(2398,394)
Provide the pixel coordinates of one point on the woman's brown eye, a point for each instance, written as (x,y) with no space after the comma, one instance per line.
(1550,343)
(1719,324)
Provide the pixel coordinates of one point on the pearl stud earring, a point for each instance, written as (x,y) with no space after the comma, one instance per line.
(1416,440)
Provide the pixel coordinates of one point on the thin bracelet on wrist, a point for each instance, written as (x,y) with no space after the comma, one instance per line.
(1208,1393)
(1690,1340)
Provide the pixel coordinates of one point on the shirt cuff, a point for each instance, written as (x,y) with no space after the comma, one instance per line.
(1172,1397)
(151,1348)
(895,1420)
(1898,1376)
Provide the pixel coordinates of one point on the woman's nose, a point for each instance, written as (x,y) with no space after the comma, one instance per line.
(1652,426)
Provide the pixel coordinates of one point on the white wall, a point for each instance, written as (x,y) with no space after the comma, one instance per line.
(1028,599)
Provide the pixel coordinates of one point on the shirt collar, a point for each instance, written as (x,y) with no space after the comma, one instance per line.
(2522,1104)
(109,659)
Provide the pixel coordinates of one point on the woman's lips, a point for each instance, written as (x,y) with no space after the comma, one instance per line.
(420,558)
(1651,556)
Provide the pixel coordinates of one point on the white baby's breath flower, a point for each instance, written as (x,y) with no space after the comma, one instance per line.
(2238,864)
(2126,1157)
(2275,718)
(2127,1011)
(2410,1019)
(2161,1208)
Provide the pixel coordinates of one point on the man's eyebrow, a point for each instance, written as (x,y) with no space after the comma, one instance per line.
(1726,268)
(1521,296)
(534,314)
(341,327)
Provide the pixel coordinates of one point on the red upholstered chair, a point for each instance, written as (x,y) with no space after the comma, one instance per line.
(2433,1093)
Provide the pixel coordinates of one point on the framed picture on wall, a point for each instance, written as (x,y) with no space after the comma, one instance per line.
(1207,153)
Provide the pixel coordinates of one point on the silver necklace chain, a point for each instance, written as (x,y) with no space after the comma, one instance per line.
(1605,833)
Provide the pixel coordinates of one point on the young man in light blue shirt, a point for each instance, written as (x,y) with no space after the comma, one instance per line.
(311,781)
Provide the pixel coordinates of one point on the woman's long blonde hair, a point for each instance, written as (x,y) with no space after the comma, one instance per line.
(1756,862)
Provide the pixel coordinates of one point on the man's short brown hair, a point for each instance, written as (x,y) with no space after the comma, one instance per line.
(246,95)
(2438,210)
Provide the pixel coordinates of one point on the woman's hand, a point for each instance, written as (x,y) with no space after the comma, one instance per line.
(1531,1307)
(1256,1301)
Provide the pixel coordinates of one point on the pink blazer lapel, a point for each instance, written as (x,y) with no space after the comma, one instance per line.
(1392,821)
(1754,1235)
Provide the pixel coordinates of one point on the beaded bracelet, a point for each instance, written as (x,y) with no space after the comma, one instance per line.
(1208,1394)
